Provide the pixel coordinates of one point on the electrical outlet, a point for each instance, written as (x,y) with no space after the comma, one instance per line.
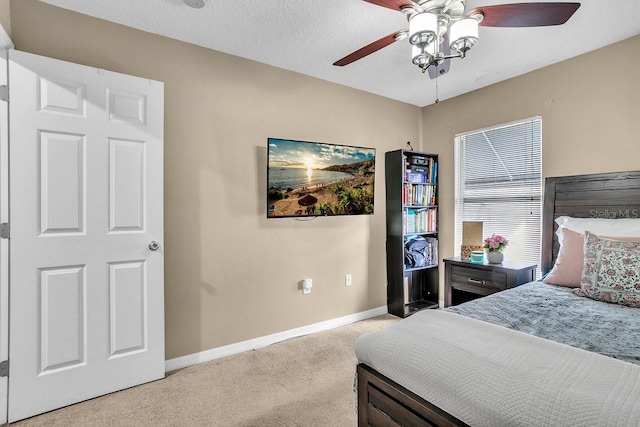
(306,286)
(347,280)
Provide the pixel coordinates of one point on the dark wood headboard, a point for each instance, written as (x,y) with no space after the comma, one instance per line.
(606,195)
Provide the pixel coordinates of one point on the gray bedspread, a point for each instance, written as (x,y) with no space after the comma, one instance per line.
(490,376)
(555,313)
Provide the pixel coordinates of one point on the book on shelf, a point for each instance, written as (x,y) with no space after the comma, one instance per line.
(410,223)
(433,250)
(434,173)
(405,289)
(423,174)
(417,178)
(420,220)
(418,195)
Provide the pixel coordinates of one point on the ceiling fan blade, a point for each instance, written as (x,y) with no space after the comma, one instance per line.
(396,4)
(525,14)
(369,49)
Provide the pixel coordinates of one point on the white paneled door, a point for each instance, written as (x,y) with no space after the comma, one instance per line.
(86,254)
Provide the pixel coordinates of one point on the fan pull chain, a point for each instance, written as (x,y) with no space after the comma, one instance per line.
(437,100)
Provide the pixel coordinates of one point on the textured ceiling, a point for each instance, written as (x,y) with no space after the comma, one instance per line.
(308,36)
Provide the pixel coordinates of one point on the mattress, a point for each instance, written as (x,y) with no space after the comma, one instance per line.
(488,375)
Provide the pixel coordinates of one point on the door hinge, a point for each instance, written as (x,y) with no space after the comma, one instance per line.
(5,231)
(4,93)
(4,368)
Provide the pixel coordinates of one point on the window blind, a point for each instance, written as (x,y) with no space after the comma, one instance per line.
(499,182)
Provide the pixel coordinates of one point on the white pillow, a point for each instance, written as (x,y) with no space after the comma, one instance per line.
(619,227)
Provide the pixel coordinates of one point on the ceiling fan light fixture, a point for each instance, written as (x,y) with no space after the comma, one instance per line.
(418,56)
(440,30)
(438,58)
(423,28)
(463,35)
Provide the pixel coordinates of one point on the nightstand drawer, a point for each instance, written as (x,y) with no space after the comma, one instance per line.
(465,281)
(466,276)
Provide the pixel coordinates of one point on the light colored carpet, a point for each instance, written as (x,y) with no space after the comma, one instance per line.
(305,381)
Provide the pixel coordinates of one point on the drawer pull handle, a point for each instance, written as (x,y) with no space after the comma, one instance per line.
(476,281)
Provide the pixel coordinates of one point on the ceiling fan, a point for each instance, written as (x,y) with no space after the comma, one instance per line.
(440,29)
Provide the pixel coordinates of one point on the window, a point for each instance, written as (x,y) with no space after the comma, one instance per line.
(499,182)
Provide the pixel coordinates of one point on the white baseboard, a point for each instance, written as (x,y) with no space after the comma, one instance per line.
(256,343)
(441,304)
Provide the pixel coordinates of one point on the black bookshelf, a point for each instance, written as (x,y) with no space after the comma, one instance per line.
(411,215)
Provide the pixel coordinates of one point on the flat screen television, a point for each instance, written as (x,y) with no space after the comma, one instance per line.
(307,179)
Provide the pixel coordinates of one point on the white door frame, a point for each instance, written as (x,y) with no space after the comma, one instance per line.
(5,43)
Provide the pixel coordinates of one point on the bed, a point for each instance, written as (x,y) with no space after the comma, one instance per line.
(509,359)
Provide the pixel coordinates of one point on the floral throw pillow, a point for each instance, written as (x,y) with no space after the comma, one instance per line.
(611,271)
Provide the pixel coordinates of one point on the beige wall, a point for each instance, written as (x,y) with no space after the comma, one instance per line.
(590,112)
(5,16)
(231,274)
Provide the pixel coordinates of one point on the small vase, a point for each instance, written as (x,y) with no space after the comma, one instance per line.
(495,257)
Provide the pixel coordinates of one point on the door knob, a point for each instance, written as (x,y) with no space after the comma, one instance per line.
(154,246)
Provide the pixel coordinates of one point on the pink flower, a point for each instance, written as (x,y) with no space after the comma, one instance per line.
(495,243)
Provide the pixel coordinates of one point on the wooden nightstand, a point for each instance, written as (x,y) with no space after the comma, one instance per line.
(465,281)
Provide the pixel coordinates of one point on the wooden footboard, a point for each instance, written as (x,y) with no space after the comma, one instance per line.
(382,402)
